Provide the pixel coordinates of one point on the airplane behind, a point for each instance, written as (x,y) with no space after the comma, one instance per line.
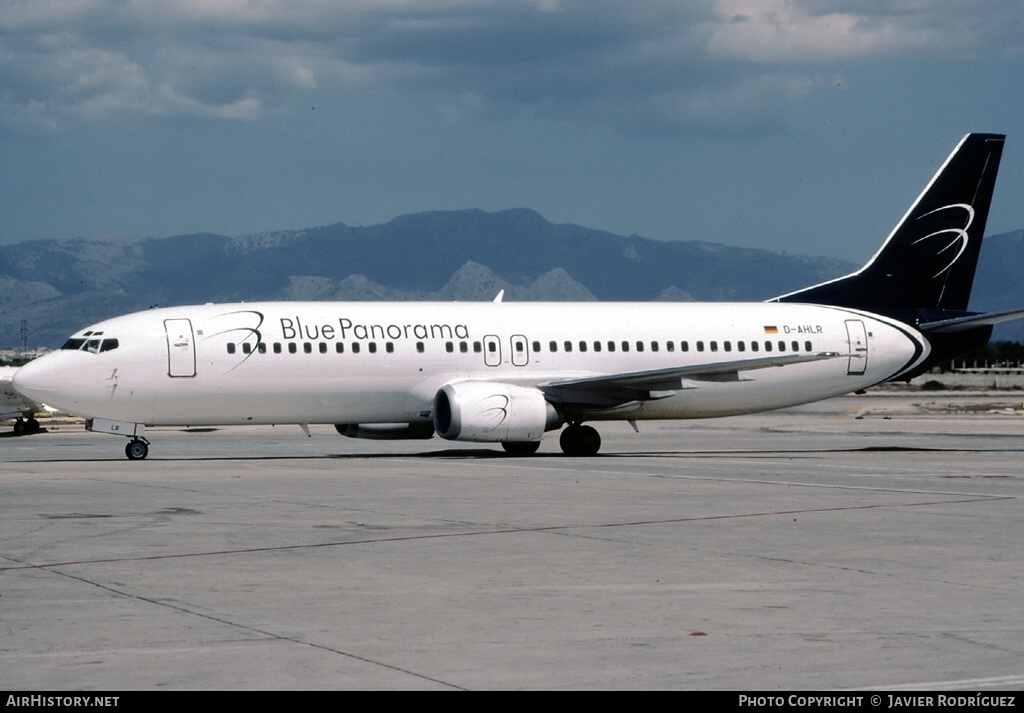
(17,406)
(508,373)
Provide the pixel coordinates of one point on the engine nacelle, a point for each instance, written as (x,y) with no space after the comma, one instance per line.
(386,431)
(492,412)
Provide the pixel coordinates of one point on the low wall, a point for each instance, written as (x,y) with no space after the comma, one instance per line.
(975,379)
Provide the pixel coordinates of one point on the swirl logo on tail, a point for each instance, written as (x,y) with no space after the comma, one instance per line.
(953,240)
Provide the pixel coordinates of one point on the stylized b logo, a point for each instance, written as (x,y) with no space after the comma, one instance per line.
(953,240)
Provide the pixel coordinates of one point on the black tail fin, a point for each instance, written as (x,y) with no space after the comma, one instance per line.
(928,261)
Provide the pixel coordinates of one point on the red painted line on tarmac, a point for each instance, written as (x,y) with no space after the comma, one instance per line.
(508,531)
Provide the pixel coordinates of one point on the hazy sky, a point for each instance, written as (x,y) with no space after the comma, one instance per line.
(802,125)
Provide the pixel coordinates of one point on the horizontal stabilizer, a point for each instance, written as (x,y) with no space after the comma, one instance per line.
(962,324)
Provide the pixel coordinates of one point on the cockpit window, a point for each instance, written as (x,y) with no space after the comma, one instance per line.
(92,345)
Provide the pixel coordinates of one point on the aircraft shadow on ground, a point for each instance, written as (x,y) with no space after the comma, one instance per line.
(498,455)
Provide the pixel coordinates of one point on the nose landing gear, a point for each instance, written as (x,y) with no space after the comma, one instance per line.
(138,446)
(137,449)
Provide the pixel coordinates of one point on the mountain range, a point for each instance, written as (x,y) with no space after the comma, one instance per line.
(59,286)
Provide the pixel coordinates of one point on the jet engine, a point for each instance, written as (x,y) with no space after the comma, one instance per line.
(386,431)
(492,412)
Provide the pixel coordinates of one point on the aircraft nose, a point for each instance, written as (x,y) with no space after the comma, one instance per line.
(37,380)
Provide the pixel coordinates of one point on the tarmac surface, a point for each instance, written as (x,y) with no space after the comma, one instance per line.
(864,542)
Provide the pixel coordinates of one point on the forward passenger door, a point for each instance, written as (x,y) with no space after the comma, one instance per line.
(181,348)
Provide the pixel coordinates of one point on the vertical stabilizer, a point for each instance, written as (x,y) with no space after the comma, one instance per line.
(928,261)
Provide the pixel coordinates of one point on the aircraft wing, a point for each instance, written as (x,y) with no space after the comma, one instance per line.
(608,390)
(960,324)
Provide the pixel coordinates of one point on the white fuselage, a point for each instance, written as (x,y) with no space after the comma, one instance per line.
(324,362)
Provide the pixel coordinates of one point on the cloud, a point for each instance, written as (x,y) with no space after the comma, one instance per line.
(658,65)
(782,31)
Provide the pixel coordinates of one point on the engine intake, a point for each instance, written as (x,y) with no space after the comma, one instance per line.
(492,412)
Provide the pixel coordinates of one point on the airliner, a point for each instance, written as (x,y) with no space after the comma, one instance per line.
(15,405)
(508,373)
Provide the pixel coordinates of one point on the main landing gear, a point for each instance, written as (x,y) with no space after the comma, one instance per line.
(577,440)
(24,427)
(520,448)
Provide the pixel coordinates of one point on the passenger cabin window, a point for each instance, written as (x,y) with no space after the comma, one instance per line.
(231,347)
